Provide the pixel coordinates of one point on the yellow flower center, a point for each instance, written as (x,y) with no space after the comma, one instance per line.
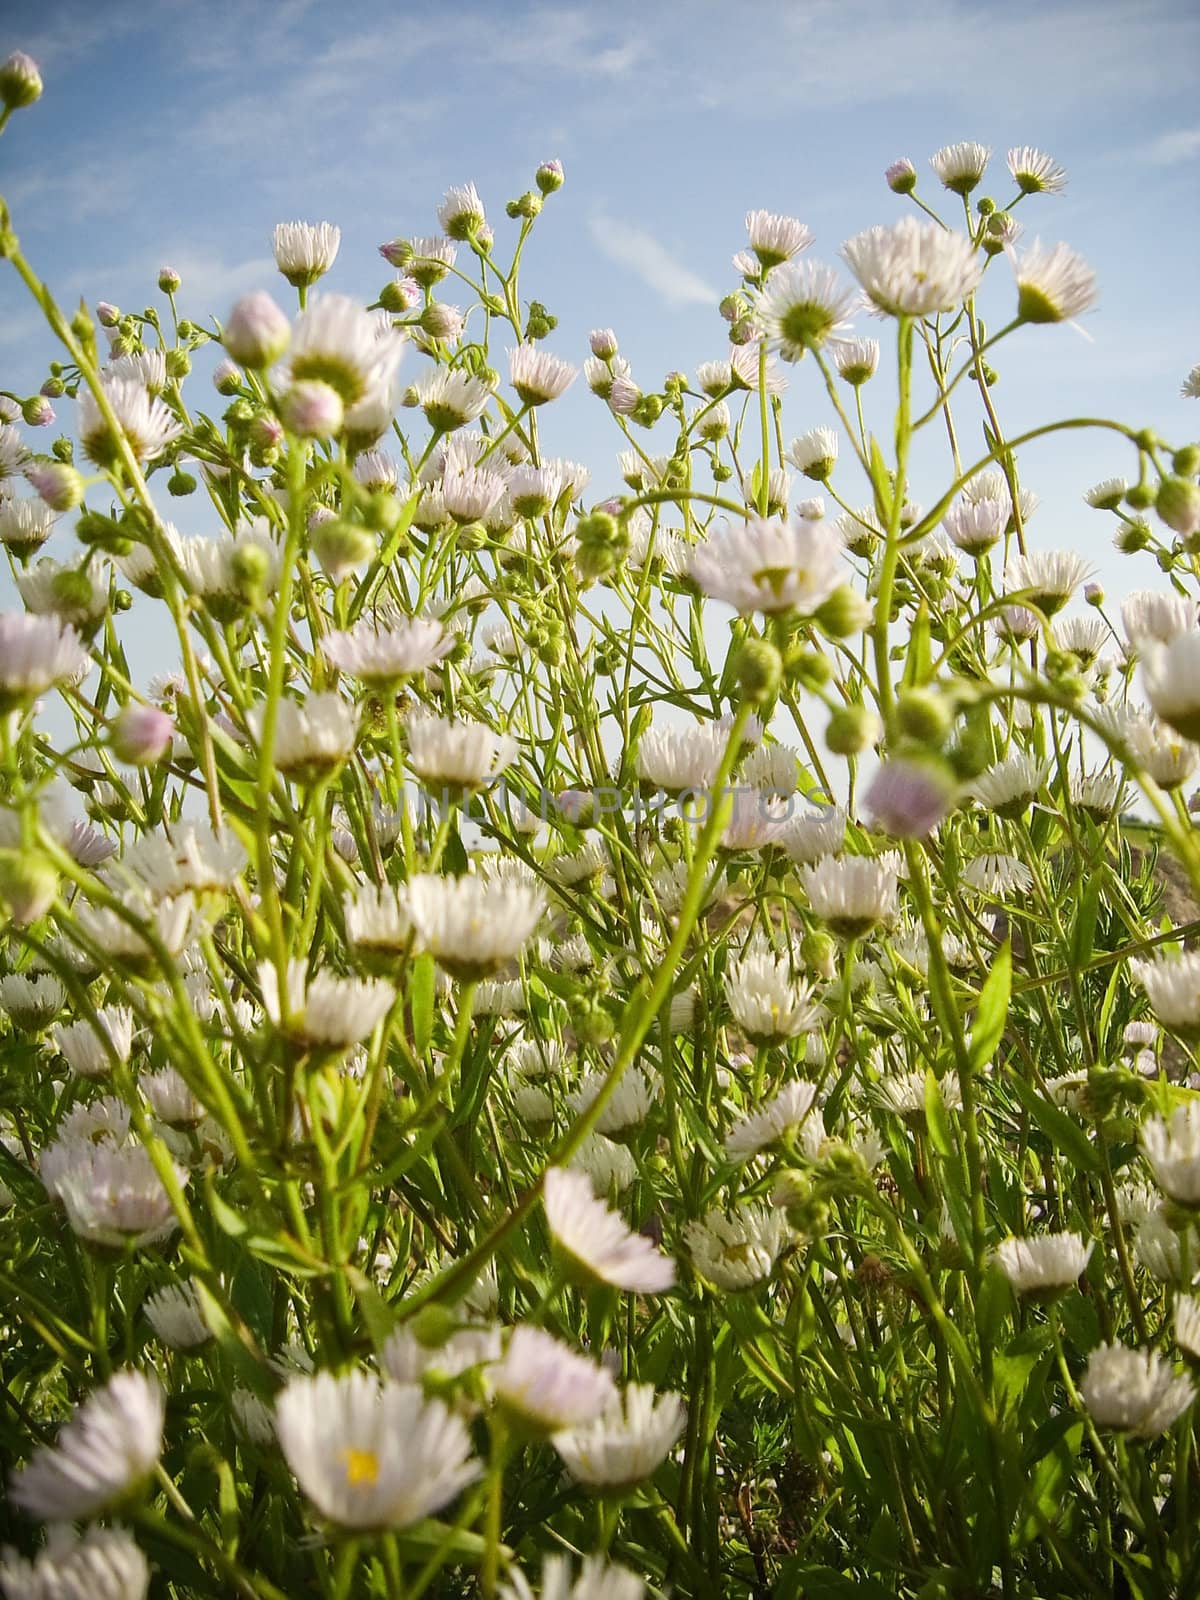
(362,1466)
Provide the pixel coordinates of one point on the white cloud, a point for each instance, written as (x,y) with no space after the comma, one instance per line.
(639,251)
(1172,149)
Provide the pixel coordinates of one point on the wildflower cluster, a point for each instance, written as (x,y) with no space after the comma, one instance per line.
(787,1186)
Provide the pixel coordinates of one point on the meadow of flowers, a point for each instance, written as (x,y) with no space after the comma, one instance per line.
(601,1030)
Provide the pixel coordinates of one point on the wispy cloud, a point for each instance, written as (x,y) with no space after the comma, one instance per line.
(642,254)
(1173,149)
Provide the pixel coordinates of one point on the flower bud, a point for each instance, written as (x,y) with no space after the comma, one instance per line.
(648,410)
(1140,496)
(549,176)
(168,280)
(1178,505)
(924,716)
(37,411)
(759,669)
(28,885)
(399,295)
(901,176)
(342,547)
(602,543)
(55,483)
(312,409)
(843,613)
(257,332)
(1093,593)
(108,315)
(527,205)
(227,380)
(908,798)
(818,951)
(441,321)
(53,389)
(851,730)
(142,735)
(20,81)
(1186,460)
(810,669)
(603,342)
(181,483)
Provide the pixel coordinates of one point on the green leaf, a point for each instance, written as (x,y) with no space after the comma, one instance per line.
(941,1135)
(991,1010)
(1066,1136)
(1083,934)
(421,999)
(918,662)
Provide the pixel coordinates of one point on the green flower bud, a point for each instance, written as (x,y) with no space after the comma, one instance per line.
(28,885)
(759,670)
(181,483)
(20,81)
(341,547)
(249,565)
(844,613)
(1178,505)
(925,716)
(1186,460)
(851,730)
(1140,496)
(549,176)
(239,414)
(810,669)
(179,364)
(819,951)
(648,410)
(392,297)
(602,543)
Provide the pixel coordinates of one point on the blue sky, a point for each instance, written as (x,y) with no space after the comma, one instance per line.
(180,133)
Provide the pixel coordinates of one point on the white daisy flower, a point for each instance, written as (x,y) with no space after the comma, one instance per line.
(148,426)
(738,1250)
(769,565)
(325,1011)
(91,1049)
(680,758)
(975,526)
(1156,616)
(1161,753)
(1171,678)
(339,343)
(628,1442)
(744,370)
(313,739)
(175,1315)
(1035,172)
(775,239)
(461,212)
(13,452)
(1046,579)
(609,1166)
(32,999)
(1012,785)
(1156,1247)
(1133,1391)
(386,651)
(781,1116)
(766,1001)
(1053,285)
(1187,1324)
(850,894)
(543,1386)
(1173,1150)
(997,875)
(170,1098)
(107,1449)
(959,167)
(377,920)
(914,268)
(1189,389)
(714,378)
(598,1580)
(112,1194)
(101,1564)
(406,1360)
(810,835)
(467,754)
(1106,495)
(628,1107)
(372,1455)
(189,858)
(25,525)
(471,494)
(802,305)
(1045,1264)
(472,925)
(596,1240)
(35,654)
(255,1420)
(815,453)
(305,251)
(856,360)
(538,376)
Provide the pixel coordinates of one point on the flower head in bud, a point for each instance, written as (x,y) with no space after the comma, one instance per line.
(852,729)
(305,251)
(257,332)
(312,409)
(549,176)
(603,342)
(759,669)
(1177,503)
(20,81)
(28,885)
(601,544)
(37,411)
(168,280)
(142,735)
(58,485)
(108,315)
(901,176)
(908,798)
